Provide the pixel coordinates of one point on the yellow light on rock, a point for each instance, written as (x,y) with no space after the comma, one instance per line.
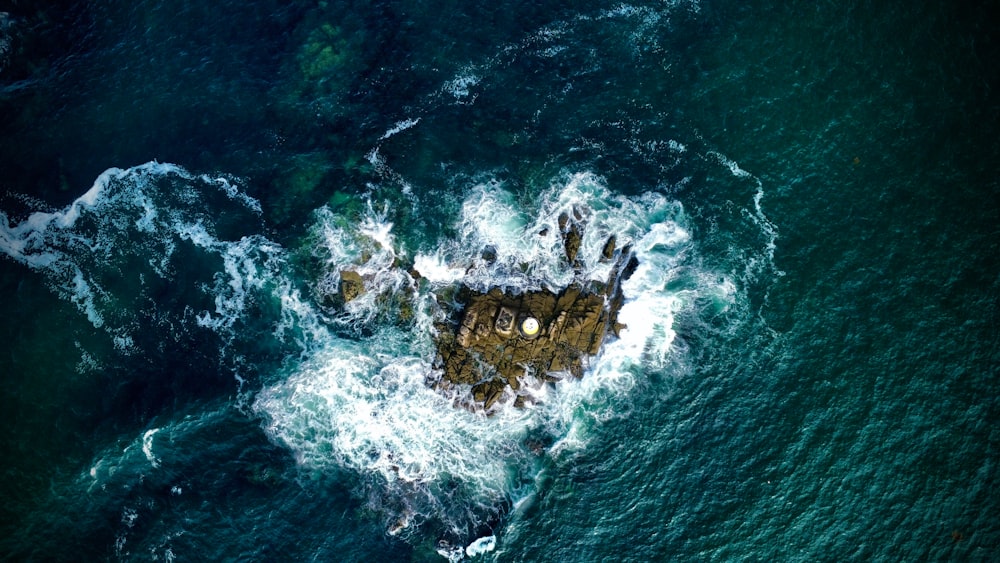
(529,327)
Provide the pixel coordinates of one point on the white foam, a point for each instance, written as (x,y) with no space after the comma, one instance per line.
(299,321)
(248,265)
(451,553)
(375,226)
(83,296)
(645,343)
(25,242)
(400,126)
(94,251)
(435,268)
(481,546)
(365,404)
(129,517)
(377,161)
(124,343)
(233,192)
(460,87)
(147,447)
(731,164)
(529,249)
(368,248)
(147,222)
(755,266)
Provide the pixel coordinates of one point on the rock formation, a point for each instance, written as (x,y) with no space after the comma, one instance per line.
(499,342)
(501,346)
(351,285)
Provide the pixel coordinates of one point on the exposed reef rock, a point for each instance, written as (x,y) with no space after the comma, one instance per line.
(500,346)
(504,344)
(351,285)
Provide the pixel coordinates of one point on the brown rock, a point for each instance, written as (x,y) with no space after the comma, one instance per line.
(482,346)
(609,248)
(351,285)
(488,392)
(574,323)
(571,242)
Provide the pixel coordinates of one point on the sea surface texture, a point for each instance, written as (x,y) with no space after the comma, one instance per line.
(811,361)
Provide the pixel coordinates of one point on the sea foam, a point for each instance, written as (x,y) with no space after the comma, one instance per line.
(363,403)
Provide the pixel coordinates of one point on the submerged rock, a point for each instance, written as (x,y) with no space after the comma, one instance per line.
(6,41)
(489,254)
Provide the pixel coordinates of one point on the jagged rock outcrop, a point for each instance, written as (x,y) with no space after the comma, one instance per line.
(498,342)
(351,285)
(499,346)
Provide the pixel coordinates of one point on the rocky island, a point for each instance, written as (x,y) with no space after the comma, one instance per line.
(503,343)
(497,347)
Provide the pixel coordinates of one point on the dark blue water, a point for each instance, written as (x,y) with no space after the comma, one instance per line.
(810,367)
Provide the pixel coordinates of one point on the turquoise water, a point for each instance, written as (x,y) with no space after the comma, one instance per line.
(810,366)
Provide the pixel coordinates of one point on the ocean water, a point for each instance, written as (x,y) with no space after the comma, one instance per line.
(810,364)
